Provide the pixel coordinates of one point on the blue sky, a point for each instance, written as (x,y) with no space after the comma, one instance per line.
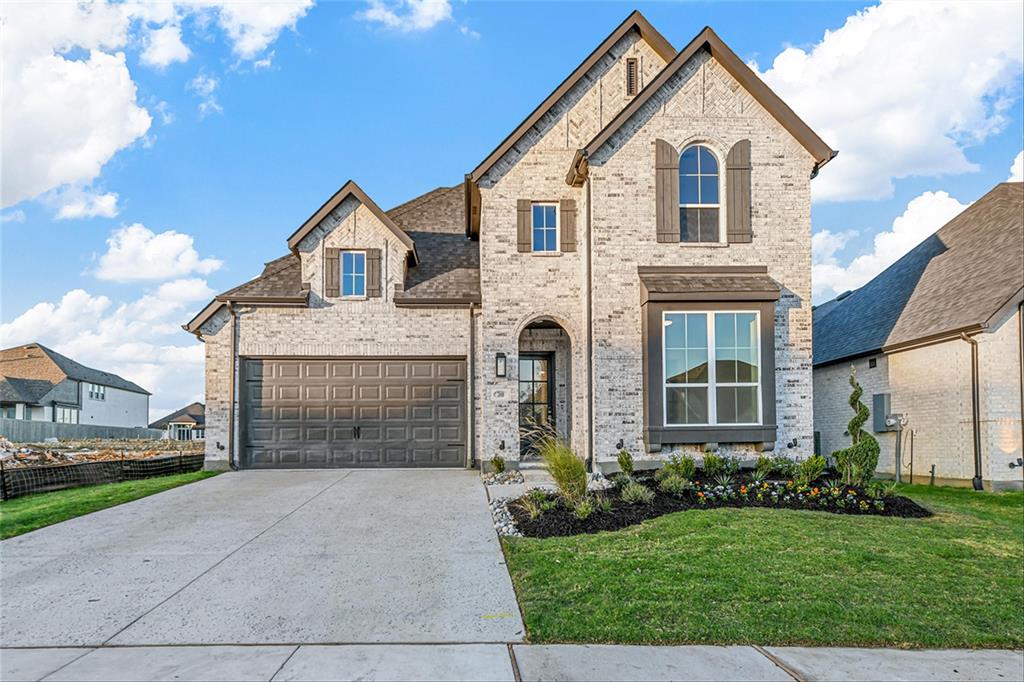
(255,120)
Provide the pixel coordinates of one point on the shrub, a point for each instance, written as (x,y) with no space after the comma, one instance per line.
(681,466)
(531,506)
(568,470)
(636,493)
(724,479)
(758,477)
(712,465)
(809,470)
(498,464)
(674,485)
(625,462)
(604,504)
(779,466)
(583,509)
(857,463)
(731,465)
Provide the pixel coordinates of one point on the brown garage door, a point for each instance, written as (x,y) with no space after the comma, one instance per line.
(365,412)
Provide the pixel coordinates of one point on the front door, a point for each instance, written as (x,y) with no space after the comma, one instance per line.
(536,399)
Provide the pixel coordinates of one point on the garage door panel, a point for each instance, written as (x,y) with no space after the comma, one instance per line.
(353,413)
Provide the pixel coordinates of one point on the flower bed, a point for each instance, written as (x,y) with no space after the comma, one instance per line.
(540,514)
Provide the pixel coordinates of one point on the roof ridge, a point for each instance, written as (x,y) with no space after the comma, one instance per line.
(426,197)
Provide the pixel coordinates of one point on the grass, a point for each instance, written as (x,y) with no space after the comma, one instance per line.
(772,576)
(24,514)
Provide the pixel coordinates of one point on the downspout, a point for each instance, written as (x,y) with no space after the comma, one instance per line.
(231,389)
(1020,333)
(591,456)
(975,412)
(471,383)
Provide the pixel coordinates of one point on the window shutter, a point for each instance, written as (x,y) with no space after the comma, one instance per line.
(373,273)
(737,208)
(567,207)
(332,273)
(523,225)
(666,191)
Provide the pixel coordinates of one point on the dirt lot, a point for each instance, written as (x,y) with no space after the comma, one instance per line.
(17,455)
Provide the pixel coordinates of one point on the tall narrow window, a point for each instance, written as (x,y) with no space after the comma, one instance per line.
(712,368)
(545,228)
(632,77)
(353,274)
(699,202)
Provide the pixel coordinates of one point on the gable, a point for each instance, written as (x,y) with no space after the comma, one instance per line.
(673,76)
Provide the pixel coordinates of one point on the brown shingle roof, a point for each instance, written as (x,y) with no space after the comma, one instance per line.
(190,414)
(958,279)
(281,278)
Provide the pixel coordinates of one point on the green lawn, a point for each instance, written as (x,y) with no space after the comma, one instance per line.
(786,577)
(23,514)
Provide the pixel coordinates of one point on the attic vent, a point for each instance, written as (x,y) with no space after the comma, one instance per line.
(632,77)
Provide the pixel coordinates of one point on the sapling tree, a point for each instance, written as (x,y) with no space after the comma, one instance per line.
(856,464)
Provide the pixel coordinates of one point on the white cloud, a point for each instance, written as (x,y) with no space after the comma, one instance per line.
(164,47)
(164,110)
(408,15)
(69,102)
(136,253)
(76,202)
(16,216)
(1017,169)
(902,88)
(204,87)
(140,340)
(924,215)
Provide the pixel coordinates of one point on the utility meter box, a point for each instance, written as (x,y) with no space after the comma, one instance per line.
(881,407)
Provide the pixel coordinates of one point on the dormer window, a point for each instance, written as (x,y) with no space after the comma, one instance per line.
(353,274)
(545,228)
(699,202)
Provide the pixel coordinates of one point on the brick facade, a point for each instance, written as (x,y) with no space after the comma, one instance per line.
(931,386)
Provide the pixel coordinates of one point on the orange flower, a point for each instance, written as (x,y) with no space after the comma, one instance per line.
(700,494)
(743,489)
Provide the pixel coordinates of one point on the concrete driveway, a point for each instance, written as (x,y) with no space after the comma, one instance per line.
(283,557)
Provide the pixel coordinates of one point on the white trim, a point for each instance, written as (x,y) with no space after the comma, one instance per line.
(722,226)
(712,382)
(341,275)
(558,228)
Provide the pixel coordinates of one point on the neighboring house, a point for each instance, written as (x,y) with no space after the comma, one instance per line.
(40,384)
(938,324)
(631,267)
(188,423)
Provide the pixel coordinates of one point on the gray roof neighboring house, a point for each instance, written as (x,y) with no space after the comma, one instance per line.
(34,361)
(15,390)
(194,414)
(963,278)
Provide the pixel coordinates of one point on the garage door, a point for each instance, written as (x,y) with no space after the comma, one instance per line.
(365,412)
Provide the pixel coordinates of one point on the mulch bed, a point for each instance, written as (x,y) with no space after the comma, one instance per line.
(560,521)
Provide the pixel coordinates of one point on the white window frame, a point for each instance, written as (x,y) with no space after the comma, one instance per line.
(712,383)
(722,236)
(558,228)
(97,391)
(64,410)
(341,274)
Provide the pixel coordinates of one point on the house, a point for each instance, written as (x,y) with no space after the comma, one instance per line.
(937,346)
(39,384)
(629,267)
(188,423)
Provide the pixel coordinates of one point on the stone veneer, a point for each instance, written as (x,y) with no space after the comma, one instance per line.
(931,385)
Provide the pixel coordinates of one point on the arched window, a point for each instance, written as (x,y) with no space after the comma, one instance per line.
(698,195)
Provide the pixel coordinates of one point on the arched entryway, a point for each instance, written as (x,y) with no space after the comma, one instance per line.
(544,383)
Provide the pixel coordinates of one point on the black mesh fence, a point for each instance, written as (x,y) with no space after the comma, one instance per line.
(16,482)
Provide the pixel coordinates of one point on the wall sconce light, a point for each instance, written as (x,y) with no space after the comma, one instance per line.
(500,365)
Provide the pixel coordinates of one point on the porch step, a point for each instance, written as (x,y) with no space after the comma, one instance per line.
(532,465)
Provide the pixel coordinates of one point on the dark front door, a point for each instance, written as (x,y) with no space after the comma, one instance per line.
(536,398)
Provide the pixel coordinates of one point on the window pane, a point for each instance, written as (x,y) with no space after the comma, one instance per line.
(525,369)
(708,224)
(746,330)
(686,405)
(540,392)
(359,285)
(689,227)
(525,391)
(726,405)
(688,161)
(346,262)
(359,263)
(746,365)
(540,414)
(675,366)
(725,365)
(696,366)
(549,216)
(746,404)
(538,239)
(347,288)
(538,215)
(675,335)
(709,189)
(550,243)
(697,331)
(540,370)
(725,330)
(689,189)
(708,164)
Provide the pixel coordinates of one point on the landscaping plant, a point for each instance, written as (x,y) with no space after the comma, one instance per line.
(583,509)
(712,465)
(637,493)
(778,466)
(857,463)
(682,466)
(498,464)
(568,471)
(674,485)
(809,470)
(625,462)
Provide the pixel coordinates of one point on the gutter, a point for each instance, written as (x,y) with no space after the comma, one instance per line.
(975,412)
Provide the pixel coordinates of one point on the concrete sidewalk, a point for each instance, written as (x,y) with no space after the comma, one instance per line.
(498,661)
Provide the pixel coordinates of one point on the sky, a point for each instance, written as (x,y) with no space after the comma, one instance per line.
(154,154)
